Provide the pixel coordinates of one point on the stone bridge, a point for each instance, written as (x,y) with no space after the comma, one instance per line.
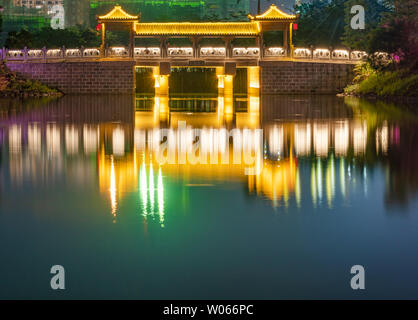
(75,71)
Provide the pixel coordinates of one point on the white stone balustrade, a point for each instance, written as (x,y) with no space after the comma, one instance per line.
(340,54)
(187,52)
(321,54)
(180,52)
(118,52)
(212,52)
(35,54)
(147,52)
(358,55)
(54,53)
(245,52)
(93,52)
(302,53)
(72,53)
(275,52)
(15,54)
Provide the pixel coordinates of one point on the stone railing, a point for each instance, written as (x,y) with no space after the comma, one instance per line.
(49,54)
(275,52)
(213,52)
(246,52)
(180,52)
(327,54)
(151,52)
(184,52)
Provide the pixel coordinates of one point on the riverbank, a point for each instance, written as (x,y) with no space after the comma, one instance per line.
(383,84)
(13,85)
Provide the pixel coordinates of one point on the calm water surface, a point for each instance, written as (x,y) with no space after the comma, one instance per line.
(329,184)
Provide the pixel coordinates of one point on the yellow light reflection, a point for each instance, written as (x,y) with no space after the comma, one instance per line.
(314,192)
(160,191)
(143,188)
(330,181)
(151,187)
(319,179)
(298,189)
(113,201)
(342,178)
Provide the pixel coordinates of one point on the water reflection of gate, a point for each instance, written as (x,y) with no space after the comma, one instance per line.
(126,162)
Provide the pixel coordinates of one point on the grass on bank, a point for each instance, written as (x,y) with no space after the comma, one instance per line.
(368,81)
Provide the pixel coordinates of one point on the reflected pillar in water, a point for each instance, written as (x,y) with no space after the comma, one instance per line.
(321,139)
(277,181)
(118,141)
(341,138)
(71,139)
(53,139)
(34,138)
(15,139)
(276,141)
(302,137)
(360,137)
(382,139)
(253,90)
(161,109)
(90,138)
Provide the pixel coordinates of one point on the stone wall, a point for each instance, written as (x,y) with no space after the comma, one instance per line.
(115,77)
(300,77)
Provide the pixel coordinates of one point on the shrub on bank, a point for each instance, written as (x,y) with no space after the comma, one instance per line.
(12,84)
(369,81)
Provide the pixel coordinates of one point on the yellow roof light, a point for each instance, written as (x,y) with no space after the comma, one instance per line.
(117,13)
(273,13)
(198,28)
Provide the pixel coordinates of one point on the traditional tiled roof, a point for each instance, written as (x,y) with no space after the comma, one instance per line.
(198,28)
(273,13)
(118,13)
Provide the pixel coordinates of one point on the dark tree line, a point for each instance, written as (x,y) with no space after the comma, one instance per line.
(390,26)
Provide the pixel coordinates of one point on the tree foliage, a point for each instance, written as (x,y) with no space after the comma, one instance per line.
(397,33)
(321,23)
(53,38)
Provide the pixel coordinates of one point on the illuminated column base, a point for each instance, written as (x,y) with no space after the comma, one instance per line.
(253,89)
(161,106)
